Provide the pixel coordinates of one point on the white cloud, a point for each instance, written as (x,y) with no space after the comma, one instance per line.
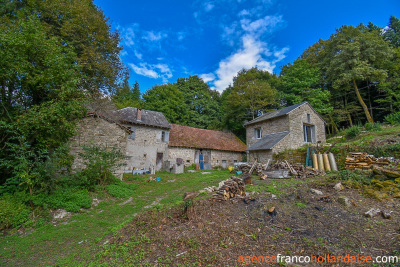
(154,36)
(208,6)
(243,13)
(252,54)
(153,71)
(128,36)
(261,26)
(208,77)
(138,55)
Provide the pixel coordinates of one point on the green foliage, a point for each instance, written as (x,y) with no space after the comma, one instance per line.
(121,190)
(13,212)
(69,199)
(301,82)
(168,100)
(100,162)
(352,132)
(253,93)
(393,118)
(127,96)
(373,127)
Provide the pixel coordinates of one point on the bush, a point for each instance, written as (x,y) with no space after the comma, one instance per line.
(69,199)
(13,212)
(352,132)
(121,190)
(393,118)
(100,162)
(372,127)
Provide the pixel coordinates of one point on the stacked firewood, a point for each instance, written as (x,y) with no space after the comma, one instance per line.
(360,161)
(363,161)
(231,188)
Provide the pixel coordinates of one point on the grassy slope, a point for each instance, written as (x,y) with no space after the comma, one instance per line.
(80,238)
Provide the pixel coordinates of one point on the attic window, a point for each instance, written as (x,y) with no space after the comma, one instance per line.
(308,118)
(257,133)
(164,137)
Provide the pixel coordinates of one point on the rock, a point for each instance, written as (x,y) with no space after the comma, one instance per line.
(126,202)
(344,201)
(274,196)
(319,208)
(386,215)
(372,213)
(95,202)
(205,172)
(396,195)
(191,171)
(60,214)
(338,187)
(316,192)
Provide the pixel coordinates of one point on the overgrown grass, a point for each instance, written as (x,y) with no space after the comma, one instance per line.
(79,238)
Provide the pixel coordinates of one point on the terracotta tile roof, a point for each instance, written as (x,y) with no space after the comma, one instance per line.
(185,136)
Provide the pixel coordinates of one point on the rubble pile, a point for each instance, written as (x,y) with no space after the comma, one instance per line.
(258,168)
(230,188)
(297,170)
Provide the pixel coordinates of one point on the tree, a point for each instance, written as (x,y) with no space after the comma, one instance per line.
(202,103)
(301,82)
(392,33)
(127,96)
(253,92)
(168,100)
(356,55)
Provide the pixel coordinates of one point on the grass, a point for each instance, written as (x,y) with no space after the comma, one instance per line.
(80,238)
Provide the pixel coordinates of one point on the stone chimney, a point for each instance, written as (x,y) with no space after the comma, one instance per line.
(139,114)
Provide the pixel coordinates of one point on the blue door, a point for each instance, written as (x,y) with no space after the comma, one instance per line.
(201,161)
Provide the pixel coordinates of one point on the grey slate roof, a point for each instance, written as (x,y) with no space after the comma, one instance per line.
(275,113)
(268,141)
(149,117)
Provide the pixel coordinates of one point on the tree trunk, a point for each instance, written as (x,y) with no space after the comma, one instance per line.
(364,106)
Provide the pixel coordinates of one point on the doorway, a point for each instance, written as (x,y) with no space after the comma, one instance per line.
(159,161)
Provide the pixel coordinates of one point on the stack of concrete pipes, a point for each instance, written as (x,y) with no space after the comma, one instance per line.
(324,162)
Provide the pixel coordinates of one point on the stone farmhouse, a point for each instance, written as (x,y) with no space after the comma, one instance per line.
(207,148)
(149,141)
(287,128)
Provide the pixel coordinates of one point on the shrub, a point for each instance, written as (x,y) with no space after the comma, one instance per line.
(372,127)
(352,132)
(393,118)
(13,212)
(121,190)
(69,199)
(100,162)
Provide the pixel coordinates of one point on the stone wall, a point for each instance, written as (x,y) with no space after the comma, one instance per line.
(99,132)
(143,149)
(297,118)
(217,156)
(261,156)
(187,154)
(275,125)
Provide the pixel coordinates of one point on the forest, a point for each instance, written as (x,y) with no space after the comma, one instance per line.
(60,58)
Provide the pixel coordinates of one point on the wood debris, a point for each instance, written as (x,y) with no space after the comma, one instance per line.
(231,188)
(382,165)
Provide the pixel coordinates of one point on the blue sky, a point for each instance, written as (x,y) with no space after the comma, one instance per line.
(164,40)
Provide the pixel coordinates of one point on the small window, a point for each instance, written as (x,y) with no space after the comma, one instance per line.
(144,155)
(133,134)
(234,160)
(308,118)
(164,137)
(188,161)
(257,133)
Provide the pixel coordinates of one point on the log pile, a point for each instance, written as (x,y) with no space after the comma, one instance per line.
(258,168)
(360,161)
(363,161)
(231,188)
(297,170)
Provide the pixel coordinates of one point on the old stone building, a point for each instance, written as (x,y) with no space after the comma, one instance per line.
(207,148)
(98,130)
(142,135)
(147,146)
(287,128)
